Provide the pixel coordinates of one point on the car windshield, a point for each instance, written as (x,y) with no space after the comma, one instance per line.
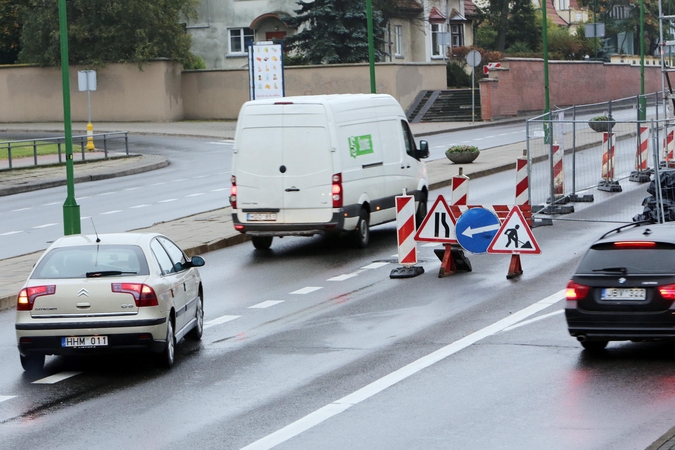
(92,261)
(609,259)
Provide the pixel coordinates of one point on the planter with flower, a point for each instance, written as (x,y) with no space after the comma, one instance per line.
(462,154)
(601,123)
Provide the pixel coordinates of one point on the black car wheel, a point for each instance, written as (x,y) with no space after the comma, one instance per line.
(262,242)
(594,346)
(196,333)
(362,232)
(168,355)
(33,362)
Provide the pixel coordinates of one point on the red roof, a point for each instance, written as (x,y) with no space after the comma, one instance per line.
(435,16)
(553,14)
(470,8)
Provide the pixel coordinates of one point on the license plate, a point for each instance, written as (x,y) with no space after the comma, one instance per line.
(624,294)
(251,217)
(84,341)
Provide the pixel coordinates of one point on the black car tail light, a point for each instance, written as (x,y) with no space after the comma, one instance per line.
(576,291)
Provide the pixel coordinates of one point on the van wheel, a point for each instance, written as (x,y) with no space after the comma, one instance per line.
(262,242)
(421,210)
(362,232)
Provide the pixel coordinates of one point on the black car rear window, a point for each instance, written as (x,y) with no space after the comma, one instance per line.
(608,257)
(76,262)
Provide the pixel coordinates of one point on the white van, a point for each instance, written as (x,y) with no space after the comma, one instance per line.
(323,164)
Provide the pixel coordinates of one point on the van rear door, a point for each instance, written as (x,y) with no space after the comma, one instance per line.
(284,163)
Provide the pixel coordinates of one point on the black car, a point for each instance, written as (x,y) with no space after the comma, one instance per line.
(624,287)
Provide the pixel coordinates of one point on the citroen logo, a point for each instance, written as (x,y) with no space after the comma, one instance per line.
(82,292)
(622,280)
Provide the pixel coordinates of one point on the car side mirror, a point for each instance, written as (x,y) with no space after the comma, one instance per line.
(197,261)
(423,151)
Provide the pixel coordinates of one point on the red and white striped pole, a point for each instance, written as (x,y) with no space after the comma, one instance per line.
(643,150)
(558,174)
(607,157)
(669,148)
(522,182)
(405,227)
(460,189)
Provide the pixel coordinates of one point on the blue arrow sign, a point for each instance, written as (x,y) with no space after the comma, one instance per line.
(476,228)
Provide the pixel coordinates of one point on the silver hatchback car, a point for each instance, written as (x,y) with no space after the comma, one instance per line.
(113,292)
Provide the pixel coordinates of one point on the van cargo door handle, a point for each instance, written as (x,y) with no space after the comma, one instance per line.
(293,189)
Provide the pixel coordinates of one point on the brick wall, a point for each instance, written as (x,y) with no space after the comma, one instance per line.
(517,88)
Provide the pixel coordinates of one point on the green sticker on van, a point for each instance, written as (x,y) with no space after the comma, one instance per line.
(360,145)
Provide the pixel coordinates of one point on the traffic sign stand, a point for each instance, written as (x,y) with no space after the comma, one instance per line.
(515,268)
(453,260)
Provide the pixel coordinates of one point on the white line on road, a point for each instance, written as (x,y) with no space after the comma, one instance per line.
(139,206)
(195,195)
(179,180)
(45,225)
(108,193)
(536,319)
(6,397)
(306,290)
(343,277)
(375,265)
(111,212)
(168,200)
(338,406)
(83,198)
(132,188)
(52,379)
(52,203)
(218,190)
(267,304)
(158,184)
(21,209)
(11,232)
(219,320)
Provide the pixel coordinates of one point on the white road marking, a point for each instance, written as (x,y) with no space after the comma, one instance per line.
(219,320)
(306,290)
(200,176)
(179,180)
(132,188)
(158,184)
(267,304)
(6,397)
(168,200)
(375,265)
(83,198)
(195,195)
(111,212)
(139,206)
(11,232)
(85,217)
(343,277)
(45,225)
(52,203)
(21,209)
(52,379)
(377,386)
(218,190)
(108,193)
(536,319)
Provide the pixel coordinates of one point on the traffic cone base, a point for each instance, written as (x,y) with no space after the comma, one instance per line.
(515,268)
(448,266)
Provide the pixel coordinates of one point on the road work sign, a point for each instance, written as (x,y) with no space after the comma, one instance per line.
(514,236)
(438,225)
(476,228)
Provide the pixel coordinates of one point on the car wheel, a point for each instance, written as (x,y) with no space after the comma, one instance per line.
(594,346)
(262,242)
(362,232)
(33,362)
(166,358)
(196,333)
(421,210)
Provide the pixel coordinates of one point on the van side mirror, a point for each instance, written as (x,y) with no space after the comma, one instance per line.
(423,151)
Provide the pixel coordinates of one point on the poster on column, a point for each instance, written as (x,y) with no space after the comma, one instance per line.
(266,71)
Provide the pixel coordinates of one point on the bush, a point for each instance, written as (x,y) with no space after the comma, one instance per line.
(456,75)
(462,149)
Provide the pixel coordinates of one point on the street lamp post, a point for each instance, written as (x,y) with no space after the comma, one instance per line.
(371,45)
(71,210)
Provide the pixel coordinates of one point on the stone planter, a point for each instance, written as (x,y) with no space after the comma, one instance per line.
(462,157)
(600,126)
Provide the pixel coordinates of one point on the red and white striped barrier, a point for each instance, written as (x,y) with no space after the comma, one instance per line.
(501,211)
(669,147)
(405,227)
(607,157)
(643,150)
(522,182)
(558,174)
(460,189)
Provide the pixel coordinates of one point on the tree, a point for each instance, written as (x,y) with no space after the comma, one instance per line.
(10,31)
(107,31)
(334,32)
(505,23)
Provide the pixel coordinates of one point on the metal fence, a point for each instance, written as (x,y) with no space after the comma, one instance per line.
(575,162)
(104,143)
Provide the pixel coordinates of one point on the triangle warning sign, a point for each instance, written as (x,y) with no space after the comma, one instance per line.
(514,236)
(438,225)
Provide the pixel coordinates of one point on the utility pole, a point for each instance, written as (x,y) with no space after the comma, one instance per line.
(371,46)
(71,210)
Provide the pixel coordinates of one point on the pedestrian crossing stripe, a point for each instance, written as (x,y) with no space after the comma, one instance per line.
(438,225)
(509,238)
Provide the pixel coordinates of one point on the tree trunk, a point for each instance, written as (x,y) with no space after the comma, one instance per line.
(503,25)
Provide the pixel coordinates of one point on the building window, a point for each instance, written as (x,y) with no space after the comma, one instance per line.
(240,39)
(563,5)
(398,41)
(436,40)
(457,35)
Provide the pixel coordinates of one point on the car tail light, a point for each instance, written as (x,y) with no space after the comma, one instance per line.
(576,291)
(635,244)
(233,192)
(28,295)
(667,291)
(143,294)
(337,190)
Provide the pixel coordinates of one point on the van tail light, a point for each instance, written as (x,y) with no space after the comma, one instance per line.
(27,296)
(576,291)
(667,291)
(233,192)
(143,294)
(337,190)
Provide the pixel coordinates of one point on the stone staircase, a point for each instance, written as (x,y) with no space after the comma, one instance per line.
(444,106)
